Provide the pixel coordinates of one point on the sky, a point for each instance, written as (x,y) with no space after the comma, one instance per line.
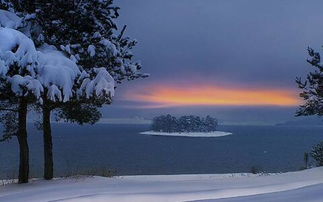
(236,60)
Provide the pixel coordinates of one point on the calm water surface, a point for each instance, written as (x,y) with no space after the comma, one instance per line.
(122,148)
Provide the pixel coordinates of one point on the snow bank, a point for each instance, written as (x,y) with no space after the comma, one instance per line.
(191,134)
(293,186)
(311,193)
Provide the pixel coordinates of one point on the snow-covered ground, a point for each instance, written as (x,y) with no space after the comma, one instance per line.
(188,134)
(298,186)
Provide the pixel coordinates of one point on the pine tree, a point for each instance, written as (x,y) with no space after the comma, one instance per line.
(312,87)
(317,153)
(92,45)
(19,88)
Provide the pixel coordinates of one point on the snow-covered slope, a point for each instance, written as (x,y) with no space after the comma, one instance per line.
(294,186)
(188,134)
(306,194)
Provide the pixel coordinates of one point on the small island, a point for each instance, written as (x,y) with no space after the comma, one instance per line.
(185,126)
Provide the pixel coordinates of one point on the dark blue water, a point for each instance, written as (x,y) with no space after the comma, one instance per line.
(122,148)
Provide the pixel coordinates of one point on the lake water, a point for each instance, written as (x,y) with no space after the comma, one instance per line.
(122,148)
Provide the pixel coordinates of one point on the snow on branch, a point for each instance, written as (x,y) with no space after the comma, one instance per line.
(18,62)
(101,85)
(31,71)
(20,83)
(57,73)
(15,47)
(9,19)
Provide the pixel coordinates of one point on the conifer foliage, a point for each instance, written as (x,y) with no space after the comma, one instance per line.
(317,153)
(312,87)
(66,56)
(86,31)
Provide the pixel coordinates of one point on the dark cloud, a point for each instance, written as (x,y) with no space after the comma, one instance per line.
(227,42)
(240,41)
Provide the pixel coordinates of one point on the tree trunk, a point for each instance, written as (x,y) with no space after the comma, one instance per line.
(23,143)
(48,143)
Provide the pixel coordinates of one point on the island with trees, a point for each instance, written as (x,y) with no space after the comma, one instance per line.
(186,126)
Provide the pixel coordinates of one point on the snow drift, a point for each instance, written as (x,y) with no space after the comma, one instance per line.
(293,186)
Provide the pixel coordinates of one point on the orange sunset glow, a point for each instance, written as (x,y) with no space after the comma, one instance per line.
(214,96)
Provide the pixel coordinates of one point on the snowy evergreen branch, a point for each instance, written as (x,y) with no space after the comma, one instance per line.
(312,87)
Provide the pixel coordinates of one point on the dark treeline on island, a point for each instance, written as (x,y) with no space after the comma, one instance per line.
(169,123)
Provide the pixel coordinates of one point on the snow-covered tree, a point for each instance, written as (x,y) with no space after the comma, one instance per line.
(312,87)
(65,84)
(45,75)
(94,45)
(19,87)
(312,93)
(317,153)
(101,52)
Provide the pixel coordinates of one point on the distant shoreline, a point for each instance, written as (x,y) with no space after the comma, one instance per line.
(188,134)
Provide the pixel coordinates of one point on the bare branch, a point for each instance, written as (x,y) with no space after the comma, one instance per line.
(122,32)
